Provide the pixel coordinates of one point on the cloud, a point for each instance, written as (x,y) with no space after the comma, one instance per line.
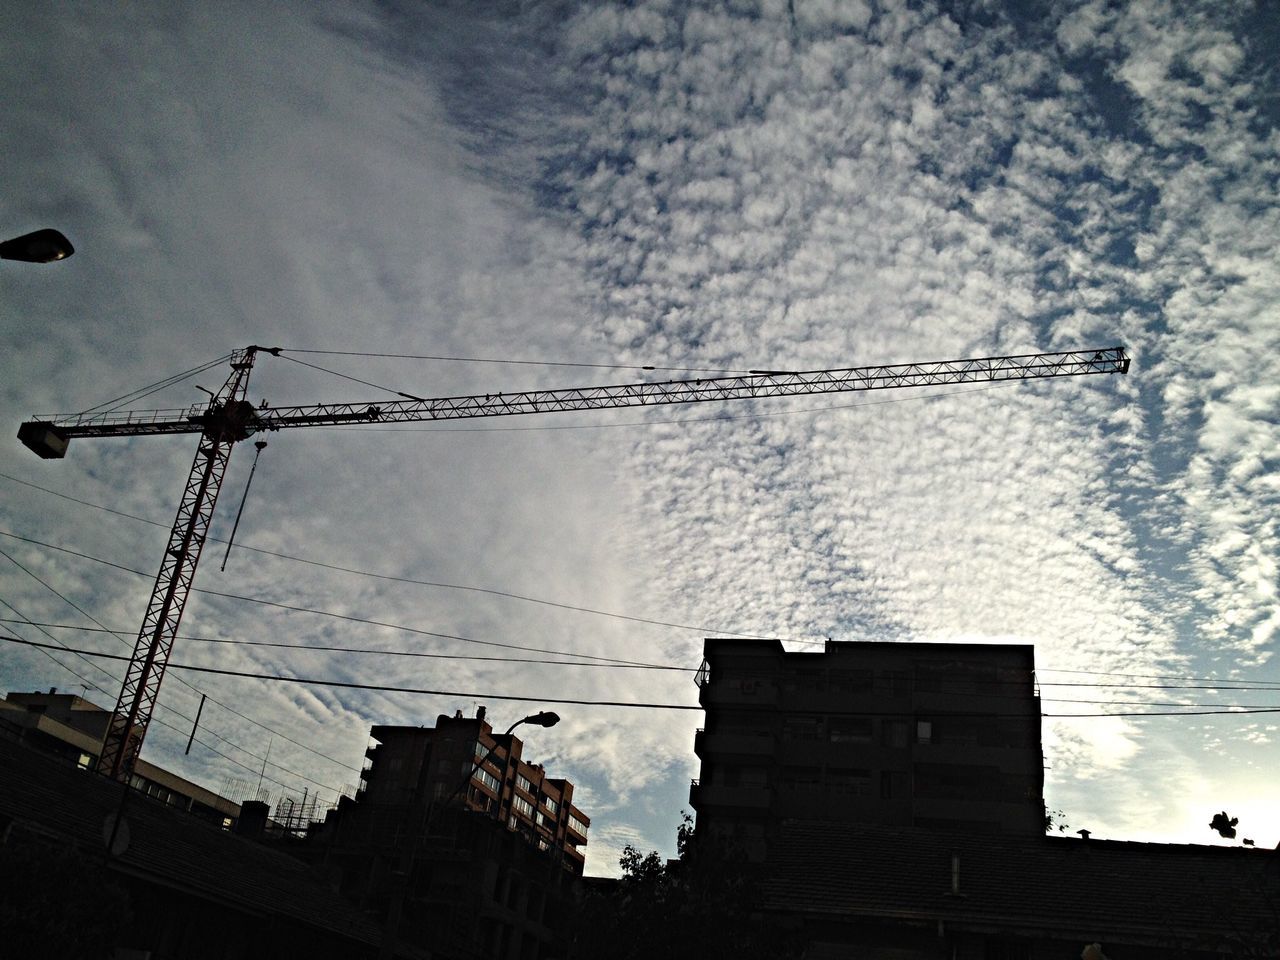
(733,187)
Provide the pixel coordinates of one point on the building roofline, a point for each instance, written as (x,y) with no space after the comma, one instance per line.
(923,646)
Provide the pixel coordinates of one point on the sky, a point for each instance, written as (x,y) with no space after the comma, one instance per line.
(559,194)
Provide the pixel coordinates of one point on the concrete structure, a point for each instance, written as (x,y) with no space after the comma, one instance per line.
(941,736)
(883,893)
(171,885)
(466,861)
(70,727)
(409,763)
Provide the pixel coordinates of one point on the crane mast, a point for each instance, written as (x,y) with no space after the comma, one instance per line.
(229,418)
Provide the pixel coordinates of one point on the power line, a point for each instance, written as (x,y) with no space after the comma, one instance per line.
(83,655)
(337,616)
(472,695)
(511,362)
(185,683)
(1214,682)
(375,576)
(327,648)
(1263,687)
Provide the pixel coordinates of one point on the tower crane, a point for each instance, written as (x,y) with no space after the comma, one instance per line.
(229,418)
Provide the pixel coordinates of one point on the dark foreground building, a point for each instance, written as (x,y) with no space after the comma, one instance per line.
(65,725)
(173,886)
(471,859)
(888,894)
(941,736)
(885,802)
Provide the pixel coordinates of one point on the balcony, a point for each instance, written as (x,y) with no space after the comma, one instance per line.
(739,692)
(732,744)
(742,797)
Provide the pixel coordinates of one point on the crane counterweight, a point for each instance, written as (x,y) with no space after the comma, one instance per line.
(46,440)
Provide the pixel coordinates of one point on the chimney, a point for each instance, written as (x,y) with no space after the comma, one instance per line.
(480,713)
(252,820)
(52,691)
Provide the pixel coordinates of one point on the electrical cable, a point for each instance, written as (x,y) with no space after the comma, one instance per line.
(185,683)
(325,648)
(157,386)
(340,616)
(472,695)
(1259,687)
(57,645)
(1210,683)
(376,576)
(510,362)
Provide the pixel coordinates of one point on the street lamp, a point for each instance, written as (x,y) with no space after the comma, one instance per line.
(543,718)
(42,246)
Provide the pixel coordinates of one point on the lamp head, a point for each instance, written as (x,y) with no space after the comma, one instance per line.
(42,246)
(544,719)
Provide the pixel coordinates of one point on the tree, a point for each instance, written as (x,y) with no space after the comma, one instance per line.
(1224,824)
(704,905)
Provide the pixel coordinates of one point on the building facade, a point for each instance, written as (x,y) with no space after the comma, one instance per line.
(70,727)
(941,736)
(458,843)
(883,893)
(438,765)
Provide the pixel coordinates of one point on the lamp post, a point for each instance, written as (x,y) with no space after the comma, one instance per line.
(41,246)
(544,718)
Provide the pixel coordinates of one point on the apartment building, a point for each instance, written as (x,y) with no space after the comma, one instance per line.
(438,765)
(942,736)
(458,841)
(70,727)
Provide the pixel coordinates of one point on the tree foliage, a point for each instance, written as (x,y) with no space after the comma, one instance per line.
(705,904)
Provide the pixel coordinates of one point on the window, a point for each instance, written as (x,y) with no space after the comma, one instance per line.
(488,779)
(577,825)
(852,730)
(801,777)
(857,782)
(894,783)
(802,728)
(524,784)
(954,781)
(522,805)
(852,681)
(549,804)
(896,733)
(85,761)
(924,731)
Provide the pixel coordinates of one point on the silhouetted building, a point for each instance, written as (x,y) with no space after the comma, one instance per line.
(409,763)
(850,889)
(172,885)
(72,728)
(468,860)
(941,736)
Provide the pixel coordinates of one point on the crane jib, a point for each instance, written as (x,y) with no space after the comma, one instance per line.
(48,436)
